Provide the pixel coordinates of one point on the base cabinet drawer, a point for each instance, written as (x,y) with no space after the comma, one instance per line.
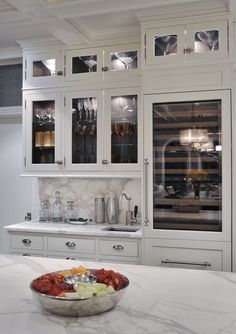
(71,245)
(191,257)
(119,248)
(27,254)
(27,242)
(71,256)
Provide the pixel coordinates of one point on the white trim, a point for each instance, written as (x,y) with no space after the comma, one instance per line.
(10,111)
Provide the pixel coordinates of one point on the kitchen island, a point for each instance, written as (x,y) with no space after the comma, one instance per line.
(158,300)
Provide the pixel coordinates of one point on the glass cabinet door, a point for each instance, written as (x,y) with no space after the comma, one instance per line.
(84,64)
(43,68)
(165,45)
(122,60)
(83,129)
(42,117)
(190,161)
(122,127)
(206,40)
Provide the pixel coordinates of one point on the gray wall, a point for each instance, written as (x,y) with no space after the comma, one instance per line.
(10,85)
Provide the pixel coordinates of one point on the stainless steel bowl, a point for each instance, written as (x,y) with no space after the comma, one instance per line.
(75,307)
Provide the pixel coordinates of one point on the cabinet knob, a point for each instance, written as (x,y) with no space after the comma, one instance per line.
(26,254)
(105,69)
(70,258)
(118,247)
(59,73)
(188,50)
(105,162)
(59,162)
(70,244)
(26,242)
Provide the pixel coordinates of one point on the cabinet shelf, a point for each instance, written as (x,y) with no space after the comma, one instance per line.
(186,201)
(186,125)
(157,171)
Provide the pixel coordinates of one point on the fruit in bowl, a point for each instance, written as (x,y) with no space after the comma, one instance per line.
(83,298)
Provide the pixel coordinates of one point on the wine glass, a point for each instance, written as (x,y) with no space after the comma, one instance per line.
(80,105)
(95,107)
(209,38)
(123,103)
(126,57)
(90,61)
(166,43)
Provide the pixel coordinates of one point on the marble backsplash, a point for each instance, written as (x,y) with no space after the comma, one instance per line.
(83,191)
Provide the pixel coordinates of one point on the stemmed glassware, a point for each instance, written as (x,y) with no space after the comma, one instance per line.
(90,61)
(166,43)
(209,38)
(126,57)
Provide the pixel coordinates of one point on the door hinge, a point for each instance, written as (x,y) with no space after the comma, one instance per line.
(25,161)
(25,69)
(64,101)
(64,161)
(25,104)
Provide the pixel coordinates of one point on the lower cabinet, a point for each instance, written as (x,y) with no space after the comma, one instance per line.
(188,254)
(73,247)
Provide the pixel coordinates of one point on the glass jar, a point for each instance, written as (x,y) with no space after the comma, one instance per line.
(57,208)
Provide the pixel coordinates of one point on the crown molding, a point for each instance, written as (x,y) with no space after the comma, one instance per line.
(190,9)
(39,42)
(11,52)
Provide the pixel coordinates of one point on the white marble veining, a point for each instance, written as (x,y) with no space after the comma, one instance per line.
(66,228)
(158,300)
(83,191)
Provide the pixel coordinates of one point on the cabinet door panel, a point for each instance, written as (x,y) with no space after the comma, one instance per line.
(188,186)
(83,130)
(207,40)
(121,61)
(165,45)
(43,68)
(43,132)
(123,129)
(84,64)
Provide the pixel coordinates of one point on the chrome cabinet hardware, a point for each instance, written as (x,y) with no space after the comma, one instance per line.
(26,254)
(188,50)
(118,247)
(26,242)
(59,162)
(59,73)
(70,258)
(105,162)
(70,244)
(105,69)
(146,220)
(202,264)
(28,216)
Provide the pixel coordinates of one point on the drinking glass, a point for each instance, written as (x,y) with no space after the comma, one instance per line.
(90,61)
(209,39)
(126,57)
(166,43)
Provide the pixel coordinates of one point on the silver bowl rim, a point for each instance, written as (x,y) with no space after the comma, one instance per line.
(73,299)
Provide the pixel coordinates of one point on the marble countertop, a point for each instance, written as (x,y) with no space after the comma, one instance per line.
(66,228)
(158,300)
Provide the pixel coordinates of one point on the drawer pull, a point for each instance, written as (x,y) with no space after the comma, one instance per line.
(202,264)
(70,258)
(118,247)
(70,244)
(25,254)
(26,242)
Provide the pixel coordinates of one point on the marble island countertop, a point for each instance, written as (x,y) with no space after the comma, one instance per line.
(158,300)
(67,228)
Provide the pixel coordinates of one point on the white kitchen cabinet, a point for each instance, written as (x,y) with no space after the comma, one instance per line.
(73,247)
(186,43)
(187,183)
(42,131)
(102,63)
(103,130)
(188,254)
(43,68)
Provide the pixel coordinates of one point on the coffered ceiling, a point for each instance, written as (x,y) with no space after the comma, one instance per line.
(87,21)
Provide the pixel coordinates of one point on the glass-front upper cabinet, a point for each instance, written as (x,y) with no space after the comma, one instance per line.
(189,188)
(42,132)
(43,68)
(102,62)
(122,128)
(185,43)
(83,130)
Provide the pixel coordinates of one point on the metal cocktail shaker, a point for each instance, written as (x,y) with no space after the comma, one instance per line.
(99,202)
